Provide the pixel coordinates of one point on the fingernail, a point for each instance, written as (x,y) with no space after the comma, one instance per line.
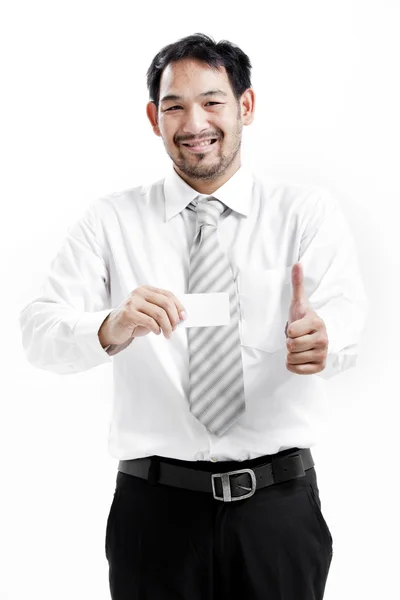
(183,315)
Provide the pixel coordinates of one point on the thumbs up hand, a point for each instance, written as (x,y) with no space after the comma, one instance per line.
(307,339)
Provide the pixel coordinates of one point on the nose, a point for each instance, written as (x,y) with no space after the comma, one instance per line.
(195,121)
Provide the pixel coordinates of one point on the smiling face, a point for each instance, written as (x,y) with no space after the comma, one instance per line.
(200,122)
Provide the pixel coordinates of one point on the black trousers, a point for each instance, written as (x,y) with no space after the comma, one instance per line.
(167,543)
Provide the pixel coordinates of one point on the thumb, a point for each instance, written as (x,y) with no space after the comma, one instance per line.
(299,303)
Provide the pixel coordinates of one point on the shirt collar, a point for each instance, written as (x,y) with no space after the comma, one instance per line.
(236,193)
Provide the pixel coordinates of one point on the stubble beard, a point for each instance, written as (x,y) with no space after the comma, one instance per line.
(221,164)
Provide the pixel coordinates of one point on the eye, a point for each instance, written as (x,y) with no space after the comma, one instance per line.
(173,108)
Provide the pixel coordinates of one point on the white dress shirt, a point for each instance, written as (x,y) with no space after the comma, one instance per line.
(143,236)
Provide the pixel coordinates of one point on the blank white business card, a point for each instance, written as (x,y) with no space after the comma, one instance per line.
(204,310)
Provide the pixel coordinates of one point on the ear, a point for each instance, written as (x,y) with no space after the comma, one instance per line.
(151,111)
(247,106)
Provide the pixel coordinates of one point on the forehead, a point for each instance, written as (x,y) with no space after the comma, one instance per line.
(190,77)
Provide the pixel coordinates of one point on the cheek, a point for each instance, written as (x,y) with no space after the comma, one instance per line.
(228,129)
(168,130)
(169,140)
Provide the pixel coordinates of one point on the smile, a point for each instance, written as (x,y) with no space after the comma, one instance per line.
(199,146)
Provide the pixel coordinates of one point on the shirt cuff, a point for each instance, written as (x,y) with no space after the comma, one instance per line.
(342,345)
(113,349)
(338,336)
(86,334)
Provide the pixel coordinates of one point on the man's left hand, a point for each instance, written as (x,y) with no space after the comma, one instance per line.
(307,339)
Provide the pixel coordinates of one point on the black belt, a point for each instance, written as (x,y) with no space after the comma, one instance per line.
(226,486)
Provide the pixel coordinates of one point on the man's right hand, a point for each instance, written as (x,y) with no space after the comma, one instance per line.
(146,309)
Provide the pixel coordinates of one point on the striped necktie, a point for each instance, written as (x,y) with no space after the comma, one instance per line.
(216,391)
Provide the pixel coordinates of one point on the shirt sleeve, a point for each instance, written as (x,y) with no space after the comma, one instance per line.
(60,326)
(333,282)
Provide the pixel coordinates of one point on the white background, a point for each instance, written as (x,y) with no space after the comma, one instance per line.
(73,128)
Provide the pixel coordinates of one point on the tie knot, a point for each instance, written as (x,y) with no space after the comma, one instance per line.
(209,210)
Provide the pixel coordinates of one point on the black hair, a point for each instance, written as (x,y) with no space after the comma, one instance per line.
(204,48)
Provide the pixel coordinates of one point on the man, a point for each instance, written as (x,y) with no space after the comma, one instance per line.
(216,492)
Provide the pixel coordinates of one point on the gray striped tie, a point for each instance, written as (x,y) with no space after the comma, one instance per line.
(216,391)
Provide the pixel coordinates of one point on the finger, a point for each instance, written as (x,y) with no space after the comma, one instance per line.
(302,327)
(302,344)
(156,318)
(162,307)
(308,369)
(179,306)
(299,293)
(143,319)
(300,358)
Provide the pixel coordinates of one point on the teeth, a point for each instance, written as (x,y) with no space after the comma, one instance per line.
(207,143)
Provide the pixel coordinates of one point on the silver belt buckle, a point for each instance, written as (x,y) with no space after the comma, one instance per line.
(226,487)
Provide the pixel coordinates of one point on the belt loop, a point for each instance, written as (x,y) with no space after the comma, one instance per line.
(154,470)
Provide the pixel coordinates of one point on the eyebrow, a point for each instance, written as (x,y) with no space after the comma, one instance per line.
(203,95)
